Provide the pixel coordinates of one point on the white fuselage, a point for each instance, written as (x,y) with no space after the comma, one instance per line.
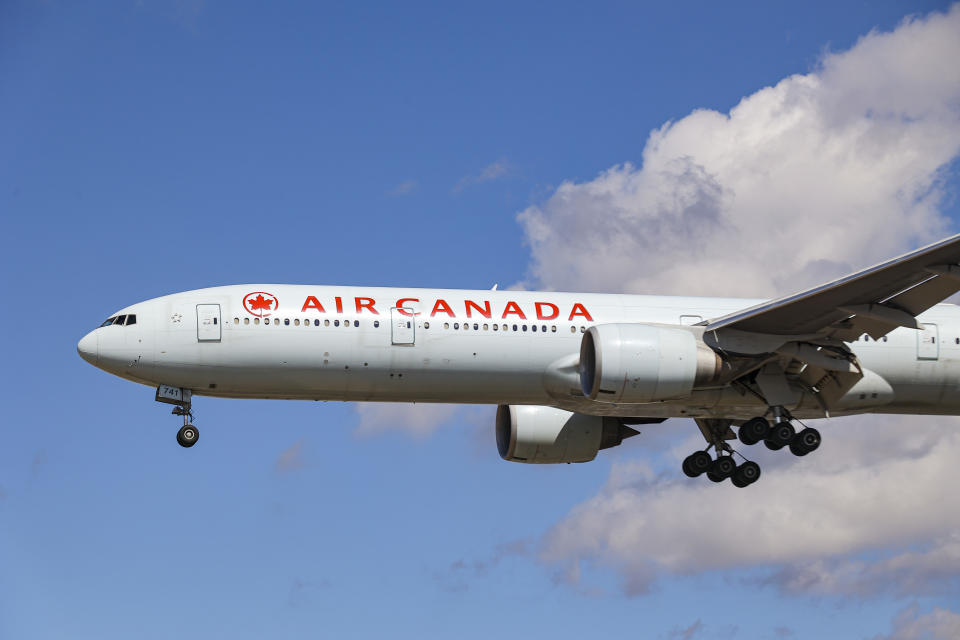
(460,346)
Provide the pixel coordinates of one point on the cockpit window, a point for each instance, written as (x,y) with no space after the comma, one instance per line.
(128,319)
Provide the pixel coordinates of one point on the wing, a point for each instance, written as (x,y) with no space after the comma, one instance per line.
(873,301)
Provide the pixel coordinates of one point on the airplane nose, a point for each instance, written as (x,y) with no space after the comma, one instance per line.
(89,347)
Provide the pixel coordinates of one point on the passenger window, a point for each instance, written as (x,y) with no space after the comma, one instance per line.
(286,322)
(884,338)
(475,326)
(426,325)
(376,324)
(486,327)
(496,327)
(446,325)
(336,323)
(573,329)
(256,321)
(553,329)
(296,322)
(215,320)
(524,327)
(533,327)
(514,327)
(276,321)
(456,325)
(246,321)
(582,329)
(235,320)
(326,323)
(356,323)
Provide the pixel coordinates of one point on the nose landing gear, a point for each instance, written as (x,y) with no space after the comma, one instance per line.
(188,434)
(181,398)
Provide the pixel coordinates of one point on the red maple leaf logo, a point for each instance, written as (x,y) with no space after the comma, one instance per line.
(260,303)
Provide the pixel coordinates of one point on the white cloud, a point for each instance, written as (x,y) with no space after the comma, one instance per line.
(798,183)
(290,459)
(415,419)
(404,188)
(493,171)
(800,519)
(937,624)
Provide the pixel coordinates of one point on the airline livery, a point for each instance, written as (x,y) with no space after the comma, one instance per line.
(572,373)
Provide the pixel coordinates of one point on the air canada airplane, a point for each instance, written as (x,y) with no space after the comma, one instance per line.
(572,373)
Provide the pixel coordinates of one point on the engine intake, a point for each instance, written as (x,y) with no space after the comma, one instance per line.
(637,363)
(545,435)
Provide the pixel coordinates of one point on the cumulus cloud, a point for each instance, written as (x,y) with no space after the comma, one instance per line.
(908,573)
(937,624)
(800,522)
(493,171)
(799,183)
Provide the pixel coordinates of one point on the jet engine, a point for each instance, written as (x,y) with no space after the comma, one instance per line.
(636,363)
(545,435)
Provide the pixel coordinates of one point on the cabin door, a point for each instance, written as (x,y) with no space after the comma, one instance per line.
(928,342)
(402,325)
(208,323)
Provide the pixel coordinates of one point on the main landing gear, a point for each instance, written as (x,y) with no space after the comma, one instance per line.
(181,398)
(742,475)
(781,433)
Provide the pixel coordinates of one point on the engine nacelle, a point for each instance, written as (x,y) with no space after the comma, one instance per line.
(636,363)
(545,435)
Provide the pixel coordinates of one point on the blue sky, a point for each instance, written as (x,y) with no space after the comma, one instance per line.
(153,147)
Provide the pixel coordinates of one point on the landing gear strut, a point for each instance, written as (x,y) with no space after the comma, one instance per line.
(181,398)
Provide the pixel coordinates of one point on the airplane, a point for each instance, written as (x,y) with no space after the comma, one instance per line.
(571,373)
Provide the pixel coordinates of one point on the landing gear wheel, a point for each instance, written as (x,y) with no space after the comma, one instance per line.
(780,436)
(805,442)
(697,463)
(746,474)
(187,436)
(723,467)
(753,431)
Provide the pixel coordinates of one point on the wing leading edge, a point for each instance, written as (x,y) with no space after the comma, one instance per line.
(873,301)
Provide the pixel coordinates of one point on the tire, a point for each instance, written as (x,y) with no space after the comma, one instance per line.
(808,439)
(723,467)
(780,435)
(715,478)
(797,449)
(746,474)
(753,431)
(187,436)
(686,468)
(700,462)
